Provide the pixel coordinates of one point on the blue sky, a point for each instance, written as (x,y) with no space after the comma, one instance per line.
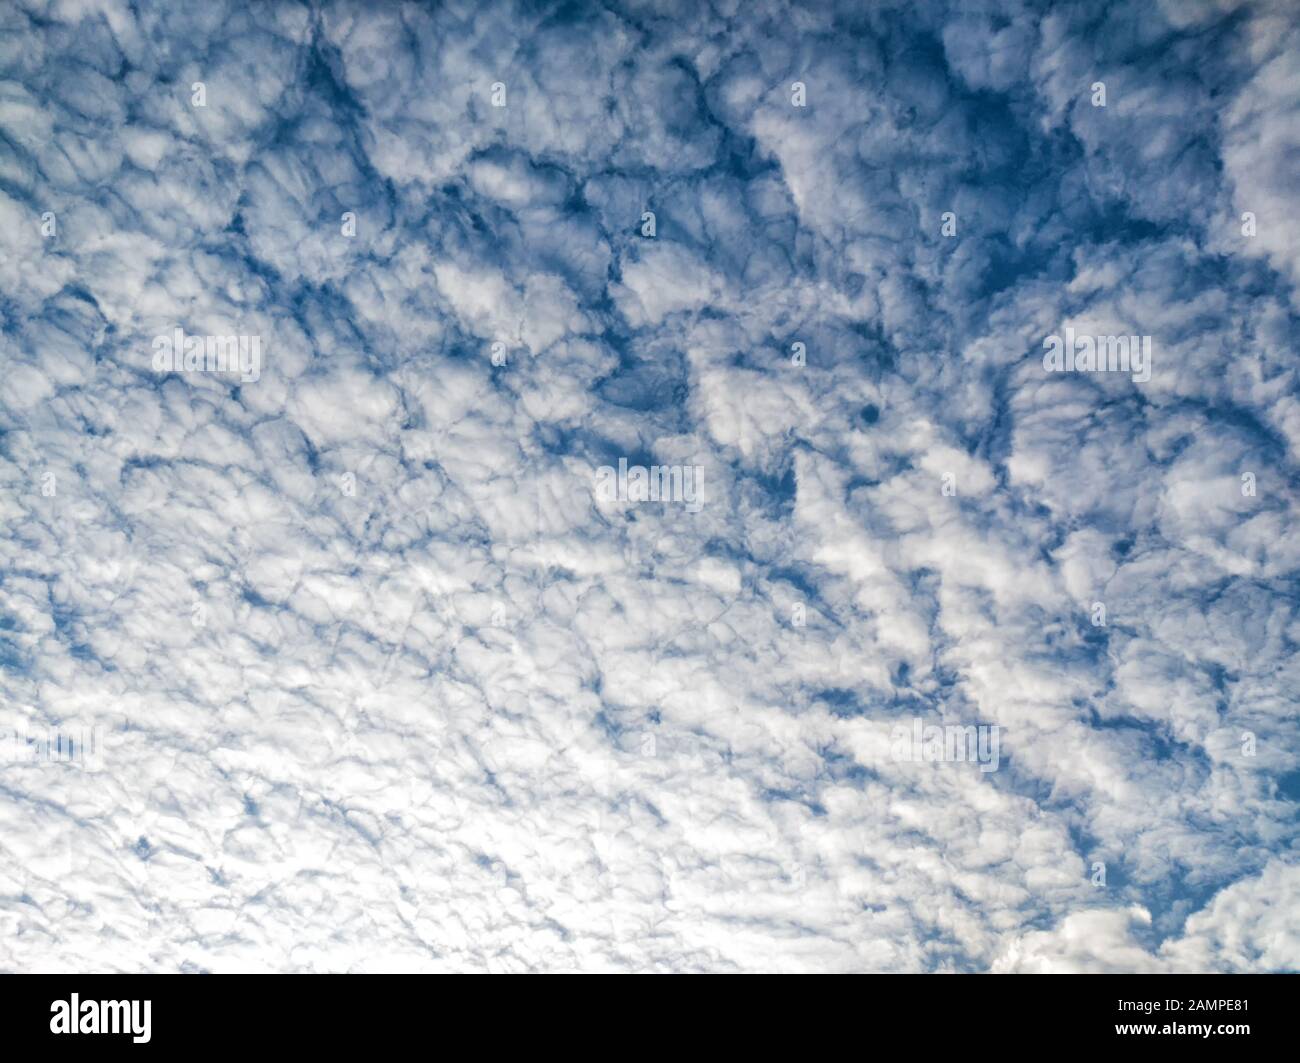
(385,681)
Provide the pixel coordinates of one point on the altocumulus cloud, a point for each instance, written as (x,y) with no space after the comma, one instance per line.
(376,679)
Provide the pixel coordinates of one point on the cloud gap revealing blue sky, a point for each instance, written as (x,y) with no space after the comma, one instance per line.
(649,486)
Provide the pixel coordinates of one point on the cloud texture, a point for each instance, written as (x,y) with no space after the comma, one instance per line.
(384,684)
